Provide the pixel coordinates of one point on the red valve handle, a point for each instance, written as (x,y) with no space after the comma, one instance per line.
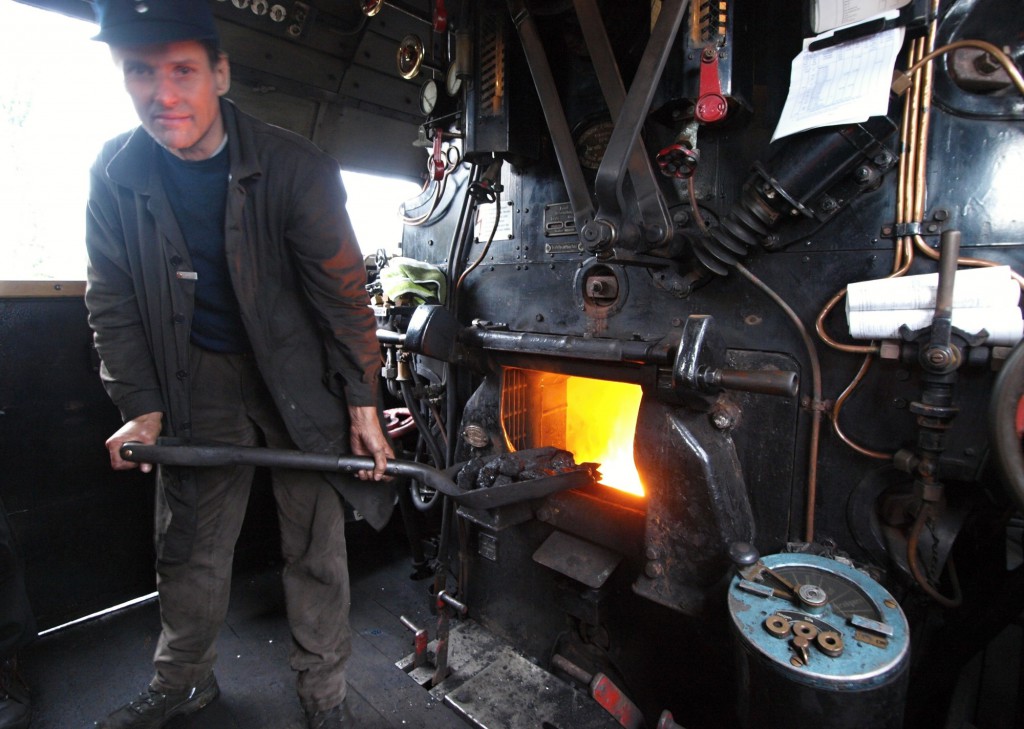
(711,105)
(440,17)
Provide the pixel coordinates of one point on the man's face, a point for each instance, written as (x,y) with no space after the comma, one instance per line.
(176,94)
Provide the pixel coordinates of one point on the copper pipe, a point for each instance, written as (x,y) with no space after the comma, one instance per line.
(816,402)
(997,53)
(904,147)
(819,327)
(841,400)
(908,257)
(926,249)
(487,246)
(902,250)
(691,192)
(924,125)
(920,174)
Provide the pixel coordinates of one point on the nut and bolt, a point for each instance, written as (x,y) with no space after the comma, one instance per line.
(722,420)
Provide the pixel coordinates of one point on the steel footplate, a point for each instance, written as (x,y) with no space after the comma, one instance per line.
(493,687)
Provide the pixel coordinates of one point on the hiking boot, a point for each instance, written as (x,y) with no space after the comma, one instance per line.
(15,709)
(154,708)
(337,718)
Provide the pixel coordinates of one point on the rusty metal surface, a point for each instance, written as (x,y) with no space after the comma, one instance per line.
(512,693)
(583,561)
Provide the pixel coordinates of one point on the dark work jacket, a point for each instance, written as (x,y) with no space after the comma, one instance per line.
(299,278)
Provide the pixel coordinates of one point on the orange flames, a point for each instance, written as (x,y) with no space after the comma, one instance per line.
(600,422)
(593,419)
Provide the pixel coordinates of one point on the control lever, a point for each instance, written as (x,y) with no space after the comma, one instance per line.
(750,568)
(419,642)
(604,692)
(656,223)
(601,235)
(696,367)
(711,104)
(446,605)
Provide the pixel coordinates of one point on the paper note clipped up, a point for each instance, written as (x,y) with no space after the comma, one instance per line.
(830,14)
(842,84)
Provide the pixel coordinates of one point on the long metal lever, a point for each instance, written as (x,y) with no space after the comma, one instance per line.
(602,233)
(654,215)
(554,114)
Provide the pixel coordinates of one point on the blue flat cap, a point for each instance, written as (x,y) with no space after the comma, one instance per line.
(142,22)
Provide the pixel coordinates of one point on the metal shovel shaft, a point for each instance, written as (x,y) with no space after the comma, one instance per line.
(174,452)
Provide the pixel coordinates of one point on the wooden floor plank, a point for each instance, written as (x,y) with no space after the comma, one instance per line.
(81,673)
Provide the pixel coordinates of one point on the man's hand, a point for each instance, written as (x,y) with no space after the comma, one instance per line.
(368,440)
(143,429)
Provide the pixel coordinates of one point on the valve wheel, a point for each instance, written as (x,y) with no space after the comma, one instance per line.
(678,161)
(1006,422)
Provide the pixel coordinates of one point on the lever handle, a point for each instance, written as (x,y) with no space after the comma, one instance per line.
(765,382)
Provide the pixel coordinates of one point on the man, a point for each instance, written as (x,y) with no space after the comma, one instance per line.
(226,294)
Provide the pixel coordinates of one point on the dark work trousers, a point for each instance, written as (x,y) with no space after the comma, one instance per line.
(230,403)
(17,625)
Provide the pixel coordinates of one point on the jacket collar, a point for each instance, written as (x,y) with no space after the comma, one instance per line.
(133,166)
(241,142)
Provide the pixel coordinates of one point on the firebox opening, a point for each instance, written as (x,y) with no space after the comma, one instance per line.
(593,419)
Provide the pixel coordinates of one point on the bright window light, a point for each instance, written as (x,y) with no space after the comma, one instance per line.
(61,99)
(373,206)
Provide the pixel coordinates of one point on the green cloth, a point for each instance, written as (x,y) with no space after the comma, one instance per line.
(409,277)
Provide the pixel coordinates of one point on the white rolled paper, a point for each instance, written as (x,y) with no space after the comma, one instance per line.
(972,288)
(1004,325)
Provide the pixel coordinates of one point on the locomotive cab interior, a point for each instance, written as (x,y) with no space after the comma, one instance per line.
(701,345)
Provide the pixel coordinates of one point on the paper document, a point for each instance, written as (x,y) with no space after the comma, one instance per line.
(830,14)
(1005,326)
(989,287)
(843,84)
(983,298)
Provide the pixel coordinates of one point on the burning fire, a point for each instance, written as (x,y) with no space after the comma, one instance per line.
(593,419)
(600,421)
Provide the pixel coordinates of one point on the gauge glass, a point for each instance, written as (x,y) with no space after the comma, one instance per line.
(452,82)
(845,598)
(428,96)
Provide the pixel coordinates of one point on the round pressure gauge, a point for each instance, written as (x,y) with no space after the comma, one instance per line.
(428,96)
(452,82)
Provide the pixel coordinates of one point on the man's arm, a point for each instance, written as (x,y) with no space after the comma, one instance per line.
(128,372)
(334,280)
(114,316)
(334,277)
(368,440)
(143,429)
